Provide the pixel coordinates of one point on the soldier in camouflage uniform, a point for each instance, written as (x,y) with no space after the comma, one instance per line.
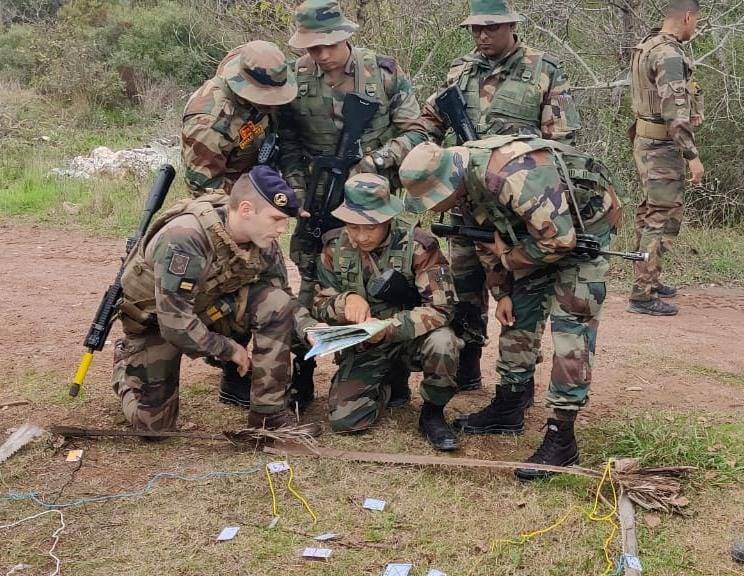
(310,126)
(208,272)
(375,240)
(509,88)
(667,105)
(226,120)
(515,185)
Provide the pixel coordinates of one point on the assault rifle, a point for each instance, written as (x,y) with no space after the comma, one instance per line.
(451,104)
(357,113)
(109,306)
(586,244)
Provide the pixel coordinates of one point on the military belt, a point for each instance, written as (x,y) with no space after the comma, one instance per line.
(646,129)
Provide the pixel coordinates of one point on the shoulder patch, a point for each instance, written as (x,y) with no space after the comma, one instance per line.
(425,238)
(332,235)
(179,264)
(387,63)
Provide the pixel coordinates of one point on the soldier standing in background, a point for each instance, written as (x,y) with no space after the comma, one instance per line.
(668,106)
(310,125)
(509,88)
(227,119)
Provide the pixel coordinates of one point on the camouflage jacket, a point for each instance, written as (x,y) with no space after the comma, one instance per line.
(191,282)
(427,270)
(220,138)
(518,187)
(310,126)
(526,92)
(663,90)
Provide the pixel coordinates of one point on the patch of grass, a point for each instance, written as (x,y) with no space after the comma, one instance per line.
(722,376)
(672,440)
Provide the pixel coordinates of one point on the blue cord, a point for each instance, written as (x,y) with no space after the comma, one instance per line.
(15,496)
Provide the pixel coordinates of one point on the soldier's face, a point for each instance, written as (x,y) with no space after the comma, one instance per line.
(367,237)
(329,58)
(493,40)
(260,227)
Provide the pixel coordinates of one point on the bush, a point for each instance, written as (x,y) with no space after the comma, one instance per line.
(17,52)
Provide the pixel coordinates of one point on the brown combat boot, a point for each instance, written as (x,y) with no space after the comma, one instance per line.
(282,419)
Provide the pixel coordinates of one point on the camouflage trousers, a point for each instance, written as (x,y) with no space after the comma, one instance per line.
(571,293)
(658,219)
(147,367)
(360,389)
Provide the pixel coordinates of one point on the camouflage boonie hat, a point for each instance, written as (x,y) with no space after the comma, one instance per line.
(367,200)
(321,23)
(431,174)
(258,72)
(487,12)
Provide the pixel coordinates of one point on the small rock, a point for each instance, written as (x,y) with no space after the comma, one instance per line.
(634,389)
(737,552)
(652,520)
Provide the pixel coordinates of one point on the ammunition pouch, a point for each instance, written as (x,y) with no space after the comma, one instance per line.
(392,287)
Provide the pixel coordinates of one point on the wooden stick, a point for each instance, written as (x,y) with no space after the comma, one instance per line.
(626,513)
(14,403)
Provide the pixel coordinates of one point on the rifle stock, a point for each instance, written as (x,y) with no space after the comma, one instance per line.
(107,309)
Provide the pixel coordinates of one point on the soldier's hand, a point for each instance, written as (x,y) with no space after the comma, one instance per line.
(697,171)
(304,214)
(505,311)
(357,309)
(241,359)
(379,337)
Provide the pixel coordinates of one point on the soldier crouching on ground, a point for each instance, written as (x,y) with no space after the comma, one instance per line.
(208,272)
(372,242)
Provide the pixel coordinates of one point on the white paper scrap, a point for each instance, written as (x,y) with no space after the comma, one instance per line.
(372,504)
(633,562)
(327,536)
(397,570)
(317,553)
(278,467)
(228,533)
(435,572)
(74,455)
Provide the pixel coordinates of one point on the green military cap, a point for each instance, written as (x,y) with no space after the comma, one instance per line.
(431,174)
(487,12)
(258,72)
(367,200)
(321,23)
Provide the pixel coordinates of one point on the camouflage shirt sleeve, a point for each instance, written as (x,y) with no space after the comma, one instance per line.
(669,70)
(560,117)
(204,152)
(435,286)
(329,301)
(405,113)
(181,259)
(531,187)
(499,280)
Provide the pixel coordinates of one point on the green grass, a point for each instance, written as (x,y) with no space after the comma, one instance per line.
(730,378)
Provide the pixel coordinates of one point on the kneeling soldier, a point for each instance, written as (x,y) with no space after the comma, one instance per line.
(208,272)
(536,194)
(360,265)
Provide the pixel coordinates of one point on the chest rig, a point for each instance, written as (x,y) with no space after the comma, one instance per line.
(397,255)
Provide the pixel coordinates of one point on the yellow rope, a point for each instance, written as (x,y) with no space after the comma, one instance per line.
(591,515)
(292,490)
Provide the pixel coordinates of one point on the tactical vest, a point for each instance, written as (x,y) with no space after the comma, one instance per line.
(516,106)
(314,113)
(398,255)
(232,268)
(593,186)
(646,99)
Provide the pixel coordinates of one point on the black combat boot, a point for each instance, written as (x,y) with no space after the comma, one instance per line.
(302,391)
(234,388)
(435,429)
(557,449)
(400,391)
(469,369)
(664,291)
(529,399)
(504,415)
(655,307)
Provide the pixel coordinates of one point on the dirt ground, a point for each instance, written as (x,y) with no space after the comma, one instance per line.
(52,281)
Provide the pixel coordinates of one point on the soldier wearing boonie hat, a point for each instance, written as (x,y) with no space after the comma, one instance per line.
(356,259)
(310,128)
(515,186)
(227,120)
(208,277)
(509,88)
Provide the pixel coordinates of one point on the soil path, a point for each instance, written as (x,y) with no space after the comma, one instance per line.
(52,281)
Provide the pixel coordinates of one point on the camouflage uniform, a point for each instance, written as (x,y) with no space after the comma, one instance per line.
(223,129)
(523,92)
(516,187)
(419,338)
(190,289)
(665,100)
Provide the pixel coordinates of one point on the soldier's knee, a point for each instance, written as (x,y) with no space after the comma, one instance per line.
(442,342)
(357,419)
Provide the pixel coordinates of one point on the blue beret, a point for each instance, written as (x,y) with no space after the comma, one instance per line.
(274,188)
